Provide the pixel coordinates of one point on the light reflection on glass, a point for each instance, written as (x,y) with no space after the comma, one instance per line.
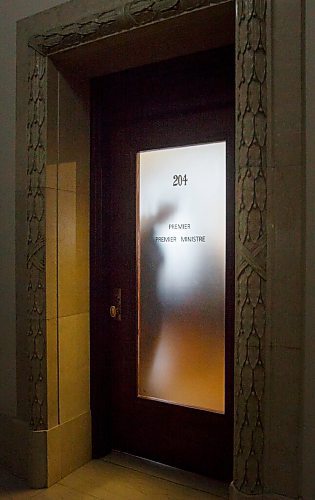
(181,275)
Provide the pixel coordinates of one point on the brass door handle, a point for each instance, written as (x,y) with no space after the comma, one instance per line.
(115,309)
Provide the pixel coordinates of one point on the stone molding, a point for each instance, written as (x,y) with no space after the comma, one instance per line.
(251,244)
(36,266)
(122,18)
(251,197)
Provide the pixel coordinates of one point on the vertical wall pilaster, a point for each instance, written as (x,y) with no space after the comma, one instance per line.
(251,238)
(36,128)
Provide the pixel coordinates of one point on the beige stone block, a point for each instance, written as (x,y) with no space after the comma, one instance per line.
(285,269)
(74,365)
(51,252)
(37,474)
(58,451)
(287,18)
(67,252)
(283,436)
(287,146)
(51,176)
(286,85)
(54,452)
(52,372)
(286,112)
(67,176)
(76,446)
(74,176)
(73,253)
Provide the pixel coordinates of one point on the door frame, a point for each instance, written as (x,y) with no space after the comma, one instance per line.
(44,43)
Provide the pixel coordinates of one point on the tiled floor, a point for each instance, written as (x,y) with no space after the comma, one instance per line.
(119,477)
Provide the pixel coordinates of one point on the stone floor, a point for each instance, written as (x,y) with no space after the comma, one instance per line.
(119,477)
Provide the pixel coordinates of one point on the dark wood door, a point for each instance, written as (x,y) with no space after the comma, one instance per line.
(181,102)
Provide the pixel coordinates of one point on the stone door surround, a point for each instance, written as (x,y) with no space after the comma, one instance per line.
(263,143)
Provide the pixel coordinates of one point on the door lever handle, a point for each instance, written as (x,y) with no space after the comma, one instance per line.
(115,309)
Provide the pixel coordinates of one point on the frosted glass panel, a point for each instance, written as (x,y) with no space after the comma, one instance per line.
(181,230)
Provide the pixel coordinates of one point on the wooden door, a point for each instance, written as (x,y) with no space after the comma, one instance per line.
(184,102)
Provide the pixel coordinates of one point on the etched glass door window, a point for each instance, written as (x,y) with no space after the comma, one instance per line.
(181,247)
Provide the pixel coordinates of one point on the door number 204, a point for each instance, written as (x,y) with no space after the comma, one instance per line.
(180,180)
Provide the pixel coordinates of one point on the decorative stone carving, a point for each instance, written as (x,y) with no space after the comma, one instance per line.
(109,22)
(36,240)
(251,198)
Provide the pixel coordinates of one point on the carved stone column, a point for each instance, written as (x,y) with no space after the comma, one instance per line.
(251,196)
(36,240)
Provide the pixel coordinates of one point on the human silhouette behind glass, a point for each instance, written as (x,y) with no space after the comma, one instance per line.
(151,310)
